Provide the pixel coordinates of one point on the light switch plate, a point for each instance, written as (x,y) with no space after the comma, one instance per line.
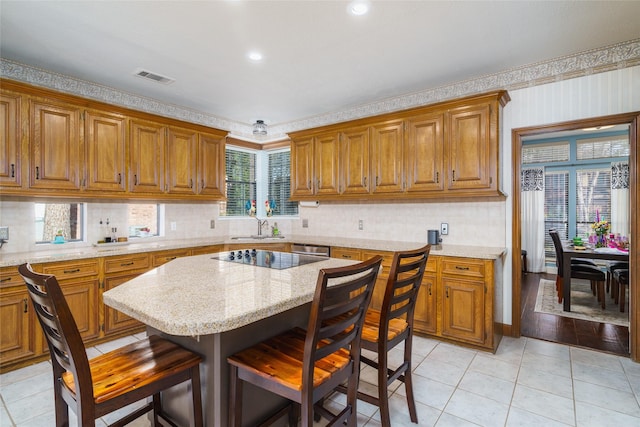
(444,228)
(4,233)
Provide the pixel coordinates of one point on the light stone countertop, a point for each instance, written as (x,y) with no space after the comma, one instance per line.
(72,251)
(199,295)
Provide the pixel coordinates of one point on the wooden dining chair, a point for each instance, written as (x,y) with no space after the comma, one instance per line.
(96,387)
(621,276)
(391,326)
(580,269)
(304,366)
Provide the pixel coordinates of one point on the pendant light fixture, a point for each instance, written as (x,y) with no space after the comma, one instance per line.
(259,127)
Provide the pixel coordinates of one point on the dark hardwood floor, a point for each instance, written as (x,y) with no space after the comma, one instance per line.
(599,336)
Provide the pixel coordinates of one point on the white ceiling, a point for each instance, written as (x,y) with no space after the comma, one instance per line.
(318,59)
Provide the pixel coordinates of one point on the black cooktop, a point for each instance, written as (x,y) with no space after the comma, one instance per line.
(268,259)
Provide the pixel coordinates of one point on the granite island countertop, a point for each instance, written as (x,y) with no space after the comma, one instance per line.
(201,295)
(73,251)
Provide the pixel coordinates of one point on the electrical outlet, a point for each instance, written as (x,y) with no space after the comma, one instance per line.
(212,224)
(360,224)
(174,226)
(444,228)
(4,233)
(305,223)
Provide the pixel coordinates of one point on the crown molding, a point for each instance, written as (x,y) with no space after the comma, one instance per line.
(617,56)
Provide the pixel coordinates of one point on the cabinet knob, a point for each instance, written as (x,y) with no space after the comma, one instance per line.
(37,172)
(364,181)
(437,177)
(461,268)
(191,183)
(75,270)
(135,179)
(119,178)
(429,288)
(25,305)
(453,175)
(13,170)
(202,185)
(446,291)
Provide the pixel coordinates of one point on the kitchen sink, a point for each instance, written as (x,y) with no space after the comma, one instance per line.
(256,237)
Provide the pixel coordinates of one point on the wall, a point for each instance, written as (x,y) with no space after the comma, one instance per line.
(613,92)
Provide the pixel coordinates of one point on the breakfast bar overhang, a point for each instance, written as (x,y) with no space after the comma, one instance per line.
(217,306)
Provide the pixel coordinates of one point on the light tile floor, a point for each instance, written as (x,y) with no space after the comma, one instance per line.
(527,382)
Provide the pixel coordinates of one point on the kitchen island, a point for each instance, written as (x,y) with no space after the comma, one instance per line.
(216,307)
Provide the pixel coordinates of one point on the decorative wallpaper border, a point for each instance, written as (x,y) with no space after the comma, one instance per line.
(617,56)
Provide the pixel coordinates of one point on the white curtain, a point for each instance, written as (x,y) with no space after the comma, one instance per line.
(532,217)
(620,198)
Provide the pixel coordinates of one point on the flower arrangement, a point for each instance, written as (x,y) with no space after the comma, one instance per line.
(601,227)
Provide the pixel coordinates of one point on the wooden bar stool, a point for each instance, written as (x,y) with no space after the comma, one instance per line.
(96,387)
(305,366)
(392,326)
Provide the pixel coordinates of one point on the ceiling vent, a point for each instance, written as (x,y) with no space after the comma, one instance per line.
(154,76)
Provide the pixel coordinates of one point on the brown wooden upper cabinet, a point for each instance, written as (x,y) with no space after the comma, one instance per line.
(59,145)
(10,139)
(445,150)
(55,145)
(105,137)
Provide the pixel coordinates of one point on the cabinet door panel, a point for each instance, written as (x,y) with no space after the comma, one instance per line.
(82,298)
(211,165)
(302,167)
(327,157)
(386,158)
(463,309)
(17,339)
(55,146)
(10,140)
(469,148)
(114,320)
(105,146)
(355,161)
(424,154)
(146,151)
(182,151)
(425,316)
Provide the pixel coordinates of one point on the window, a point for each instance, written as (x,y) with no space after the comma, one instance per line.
(279,182)
(258,177)
(143,219)
(577,181)
(240,182)
(53,219)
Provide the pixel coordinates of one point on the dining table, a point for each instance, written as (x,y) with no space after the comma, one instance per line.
(569,252)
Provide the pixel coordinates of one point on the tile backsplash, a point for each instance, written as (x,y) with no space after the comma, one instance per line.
(470,223)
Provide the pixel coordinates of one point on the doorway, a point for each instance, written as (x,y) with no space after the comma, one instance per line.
(631,119)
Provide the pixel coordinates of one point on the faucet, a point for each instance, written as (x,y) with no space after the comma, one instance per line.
(261,223)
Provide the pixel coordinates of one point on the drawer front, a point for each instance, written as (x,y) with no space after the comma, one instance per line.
(432,264)
(118,264)
(463,267)
(346,253)
(72,270)
(387,260)
(159,258)
(9,277)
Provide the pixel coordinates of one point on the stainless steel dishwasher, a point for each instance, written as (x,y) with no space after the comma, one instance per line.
(308,249)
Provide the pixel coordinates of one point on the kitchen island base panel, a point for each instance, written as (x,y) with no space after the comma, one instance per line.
(214,371)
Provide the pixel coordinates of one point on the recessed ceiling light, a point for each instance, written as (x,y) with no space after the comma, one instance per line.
(255,56)
(359,7)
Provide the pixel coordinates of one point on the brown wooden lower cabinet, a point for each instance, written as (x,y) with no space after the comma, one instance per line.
(18,331)
(117,270)
(455,301)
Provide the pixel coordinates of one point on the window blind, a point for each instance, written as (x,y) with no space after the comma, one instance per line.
(240,172)
(593,194)
(279,187)
(602,148)
(543,153)
(556,208)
